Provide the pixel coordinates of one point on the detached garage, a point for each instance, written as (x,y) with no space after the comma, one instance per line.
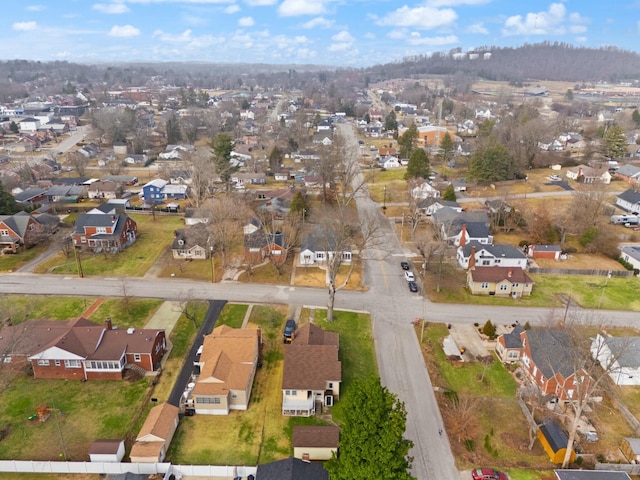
(315,442)
(554,441)
(111,451)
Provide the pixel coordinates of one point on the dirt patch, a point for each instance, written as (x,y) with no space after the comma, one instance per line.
(578,261)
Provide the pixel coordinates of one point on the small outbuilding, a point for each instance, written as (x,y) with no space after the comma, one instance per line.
(110,451)
(554,441)
(315,442)
(591,475)
(630,448)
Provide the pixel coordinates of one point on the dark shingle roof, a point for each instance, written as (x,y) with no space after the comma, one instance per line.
(513,338)
(326,436)
(310,366)
(630,196)
(497,250)
(555,435)
(291,469)
(551,351)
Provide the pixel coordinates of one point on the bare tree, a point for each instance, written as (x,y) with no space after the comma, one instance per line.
(281,234)
(226,217)
(201,174)
(79,162)
(461,417)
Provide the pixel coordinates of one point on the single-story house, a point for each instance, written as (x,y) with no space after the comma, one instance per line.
(390,162)
(619,356)
(191,243)
(155,436)
(629,200)
(631,254)
(488,255)
(554,441)
(103,190)
(499,281)
(291,469)
(433,204)
(588,174)
(109,451)
(192,215)
(322,245)
(628,173)
(552,252)
(312,371)
(227,368)
(313,443)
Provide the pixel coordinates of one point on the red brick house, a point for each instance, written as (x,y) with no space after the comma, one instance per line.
(549,360)
(20,229)
(80,349)
(98,232)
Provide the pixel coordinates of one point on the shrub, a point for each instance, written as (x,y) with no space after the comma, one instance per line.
(489,329)
(468,443)
(625,264)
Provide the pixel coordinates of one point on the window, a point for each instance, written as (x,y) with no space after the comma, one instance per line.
(208,400)
(4,233)
(137,357)
(484,285)
(83,239)
(43,363)
(234,395)
(101,229)
(503,288)
(331,385)
(292,393)
(72,363)
(57,363)
(6,359)
(486,263)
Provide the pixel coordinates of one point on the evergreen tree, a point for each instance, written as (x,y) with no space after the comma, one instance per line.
(635,116)
(449,194)
(407,140)
(390,122)
(372,443)
(491,164)
(222,146)
(173,129)
(446,148)
(418,166)
(299,205)
(8,204)
(569,94)
(615,142)
(275,158)
(13,126)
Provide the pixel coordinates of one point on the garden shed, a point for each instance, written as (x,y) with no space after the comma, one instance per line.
(111,451)
(554,441)
(630,448)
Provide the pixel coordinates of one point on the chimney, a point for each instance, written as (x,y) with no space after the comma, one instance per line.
(509,273)
(463,235)
(107,324)
(113,218)
(472,258)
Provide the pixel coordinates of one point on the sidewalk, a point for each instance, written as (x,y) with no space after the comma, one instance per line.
(165,317)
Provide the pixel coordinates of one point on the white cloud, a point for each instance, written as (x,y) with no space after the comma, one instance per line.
(232,9)
(419,17)
(292,8)
(24,26)
(35,8)
(173,38)
(339,47)
(246,22)
(201,2)
(553,21)
(432,41)
(124,31)
(318,22)
(453,3)
(342,36)
(581,39)
(478,28)
(111,8)
(260,3)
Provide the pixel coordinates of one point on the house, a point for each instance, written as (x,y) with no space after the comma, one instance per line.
(629,200)
(193,216)
(390,162)
(487,255)
(432,204)
(423,189)
(459,185)
(175,192)
(29,124)
(191,243)
(554,441)
(314,443)
(312,371)
(259,245)
(103,190)
(588,174)
(227,367)
(108,451)
(630,448)
(181,177)
(19,230)
(291,469)
(135,159)
(129,180)
(628,173)
(282,176)
(82,350)
(155,436)
(631,254)
(259,178)
(98,233)
(497,206)
(547,358)
(322,245)
(460,228)
(66,193)
(619,356)
(152,192)
(553,252)
(509,345)
(499,281)
(30,196)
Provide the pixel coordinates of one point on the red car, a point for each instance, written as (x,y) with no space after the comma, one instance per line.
(488,474)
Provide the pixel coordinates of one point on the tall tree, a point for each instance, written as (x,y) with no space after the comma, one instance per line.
(390,122)
(635,116)
(446,148)
(222,146)
(275,158)
(172,125)
(493,163)
(418,166)
(372,443)
(407,140)
(615,142)
(8,204)
(449,193)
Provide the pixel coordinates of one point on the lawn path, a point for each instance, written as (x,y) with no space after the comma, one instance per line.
(92,309)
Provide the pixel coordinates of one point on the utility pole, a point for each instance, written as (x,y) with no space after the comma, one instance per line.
(78,262)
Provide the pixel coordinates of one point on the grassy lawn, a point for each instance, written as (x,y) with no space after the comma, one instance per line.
(232,315)
(154,237)
(126,312)
(10,263)
(27,307)
(269,274)
(261,434)
(81,413)
(193,269)
(316,276)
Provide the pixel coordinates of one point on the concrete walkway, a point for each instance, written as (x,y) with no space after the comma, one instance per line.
(165,317)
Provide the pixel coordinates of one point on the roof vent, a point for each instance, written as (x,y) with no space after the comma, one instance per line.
(131,330)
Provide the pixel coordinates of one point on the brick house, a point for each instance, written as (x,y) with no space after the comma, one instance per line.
(499,281)
(80,349)
(98,233)
(20,229)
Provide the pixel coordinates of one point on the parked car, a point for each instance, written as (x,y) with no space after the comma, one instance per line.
(199,351)
(289,331)
(488,474)
(405,265)
(413,286)
(409,276)
(554,178)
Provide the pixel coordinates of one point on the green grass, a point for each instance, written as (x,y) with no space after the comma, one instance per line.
(27,307)
(154,237)
(184,331)
(232,315)
(82,412)
(10,263)
(126,312)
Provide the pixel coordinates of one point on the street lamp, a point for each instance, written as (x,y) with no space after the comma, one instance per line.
(384,198)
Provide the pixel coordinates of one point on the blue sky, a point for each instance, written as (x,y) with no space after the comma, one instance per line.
(327,32)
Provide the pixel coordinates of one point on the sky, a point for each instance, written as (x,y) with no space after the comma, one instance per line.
(346,33)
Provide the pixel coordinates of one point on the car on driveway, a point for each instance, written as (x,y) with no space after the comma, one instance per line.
(488,474)
(289,330)
(413,286)
(554,178)
(409,276)
(405,265)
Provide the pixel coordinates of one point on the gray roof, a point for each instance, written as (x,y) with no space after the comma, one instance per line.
(497,250)
(321,240)
(626,350)
(427,202)
(554,434)
(97,220)
(630,196)
(449,215)
(591,475)
(551,351)
(633,251)
(29,194)
(192,236)
(291,469)
(17,222)
(513,338)
(547,248)
(628,170)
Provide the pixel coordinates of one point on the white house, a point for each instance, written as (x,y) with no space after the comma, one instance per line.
(631,254)
(424,190)
(490,255)
(391,162)
(619,356)
(320,246)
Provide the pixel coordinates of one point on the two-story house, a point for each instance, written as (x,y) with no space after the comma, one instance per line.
(490,255)
(20,229)
(312,371)
(98,233)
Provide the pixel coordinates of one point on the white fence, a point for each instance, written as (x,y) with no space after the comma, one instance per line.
(16,466)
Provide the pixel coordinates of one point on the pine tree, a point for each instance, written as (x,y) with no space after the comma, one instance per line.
(418,166)
(406,141)
(8,204)
(390,122)
(615,142)
(449,194)
(446,148)
(635,116)
(372,443)
(222,147)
